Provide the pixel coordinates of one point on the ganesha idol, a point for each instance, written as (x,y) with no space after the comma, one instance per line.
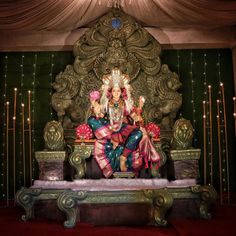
(122,143)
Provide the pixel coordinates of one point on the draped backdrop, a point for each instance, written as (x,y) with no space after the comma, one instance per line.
(57,15)
(57,24)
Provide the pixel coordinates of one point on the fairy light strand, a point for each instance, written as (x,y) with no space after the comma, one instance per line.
(178,69)
(218,64)
(4,126)
(20,131)
(192,96)
(222,133)
(51,79)
(33,114)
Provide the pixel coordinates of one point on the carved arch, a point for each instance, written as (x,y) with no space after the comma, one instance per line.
(116,40)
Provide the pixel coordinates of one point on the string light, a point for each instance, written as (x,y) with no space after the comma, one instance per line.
(3,133)
(33,113)
(205,76)
(51,79)
(20,131)
(222,126)
(178,70)
(192,97)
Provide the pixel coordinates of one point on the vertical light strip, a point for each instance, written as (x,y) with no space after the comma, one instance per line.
(21,163)
(192,97)
(33,112)
(4,127)
(51,79)
(178,56)
(205,117)
(218,64)
(223,133)
(178,70)
(205,77)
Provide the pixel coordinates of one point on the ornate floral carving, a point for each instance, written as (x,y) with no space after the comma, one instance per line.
(135,52)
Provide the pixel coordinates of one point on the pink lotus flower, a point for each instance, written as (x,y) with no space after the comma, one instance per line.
(94,95)
(153,130)
(84,132)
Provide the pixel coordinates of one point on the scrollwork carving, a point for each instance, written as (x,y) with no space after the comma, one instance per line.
(208,196)
(78,162)
(162,201)
(25,197)
(67,202)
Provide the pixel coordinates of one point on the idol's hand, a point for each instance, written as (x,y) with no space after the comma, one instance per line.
(141,101)
(92,101)
(97,108)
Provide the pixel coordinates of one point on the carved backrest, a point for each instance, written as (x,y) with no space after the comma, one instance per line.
(116,40)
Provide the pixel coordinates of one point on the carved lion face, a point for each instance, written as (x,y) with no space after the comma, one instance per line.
(54,136)
(182,134)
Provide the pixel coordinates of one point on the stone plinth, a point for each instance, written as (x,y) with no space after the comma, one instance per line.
(51,164)
(185,163)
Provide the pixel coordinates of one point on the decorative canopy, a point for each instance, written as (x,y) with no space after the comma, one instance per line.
(57,24)
(64,15)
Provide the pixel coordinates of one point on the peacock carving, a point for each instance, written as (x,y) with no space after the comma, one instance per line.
(116,40)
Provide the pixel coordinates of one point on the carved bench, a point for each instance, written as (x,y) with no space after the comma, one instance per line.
(159,194)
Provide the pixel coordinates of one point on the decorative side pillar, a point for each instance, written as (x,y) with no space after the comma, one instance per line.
(51,160)
(185,163)
(51,164)
(183,156)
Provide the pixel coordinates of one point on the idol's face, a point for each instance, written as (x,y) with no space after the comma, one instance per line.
(116,92)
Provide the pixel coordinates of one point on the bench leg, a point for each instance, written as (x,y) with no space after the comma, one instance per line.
(68,203)
(25,197)
(162,201)
(208,196)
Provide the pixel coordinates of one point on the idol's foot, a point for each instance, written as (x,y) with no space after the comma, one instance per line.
(123,166)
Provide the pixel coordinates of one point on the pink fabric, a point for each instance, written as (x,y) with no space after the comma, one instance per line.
(114,184)
(69,15)
(100,157)
(148,151)
(58,24)
(103,132)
